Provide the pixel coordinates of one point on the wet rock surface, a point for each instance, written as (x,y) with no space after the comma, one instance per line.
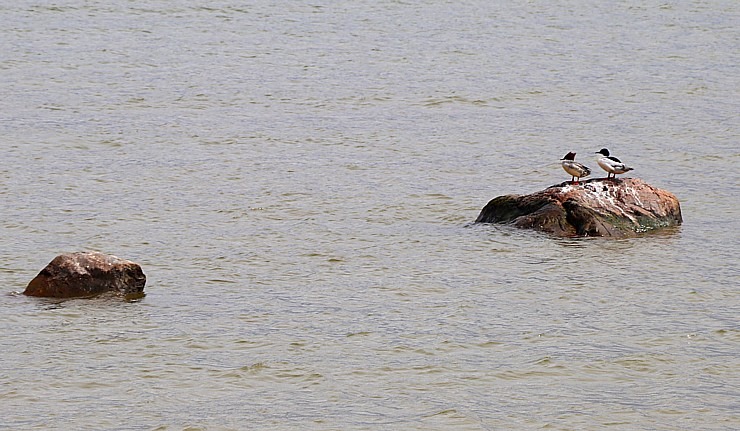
(84,274)
(618,208)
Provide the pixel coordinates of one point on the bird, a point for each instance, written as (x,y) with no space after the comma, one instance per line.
(611,164)
(575,169)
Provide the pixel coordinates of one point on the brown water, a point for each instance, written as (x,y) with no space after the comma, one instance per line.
(298,181)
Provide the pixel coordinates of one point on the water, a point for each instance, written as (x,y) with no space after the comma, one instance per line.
(298,182)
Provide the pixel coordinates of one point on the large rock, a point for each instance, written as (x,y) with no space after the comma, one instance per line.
(618,208)
(87,274)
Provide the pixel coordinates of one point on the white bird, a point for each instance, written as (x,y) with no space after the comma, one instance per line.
(611,164)
(575,169)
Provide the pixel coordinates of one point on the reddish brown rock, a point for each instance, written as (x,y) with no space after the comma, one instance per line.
(87,274)
(618,208)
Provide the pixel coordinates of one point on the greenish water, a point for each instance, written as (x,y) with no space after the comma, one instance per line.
(298,182)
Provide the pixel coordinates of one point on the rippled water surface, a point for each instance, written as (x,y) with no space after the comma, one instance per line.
(298,181)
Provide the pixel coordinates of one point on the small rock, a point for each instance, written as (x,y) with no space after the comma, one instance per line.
(87,274)
(599,207)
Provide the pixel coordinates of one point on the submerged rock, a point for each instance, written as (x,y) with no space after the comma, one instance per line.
(599,207)
(87,274)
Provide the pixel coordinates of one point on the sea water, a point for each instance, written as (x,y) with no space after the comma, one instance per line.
(298,181)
